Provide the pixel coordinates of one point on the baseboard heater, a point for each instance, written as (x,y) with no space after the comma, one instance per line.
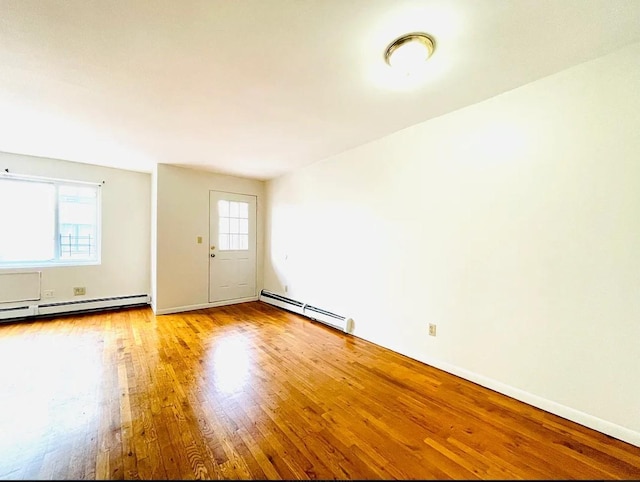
(342,323)
(95,304)
(17,312)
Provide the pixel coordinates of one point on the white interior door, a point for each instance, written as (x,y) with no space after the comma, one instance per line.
(232,246)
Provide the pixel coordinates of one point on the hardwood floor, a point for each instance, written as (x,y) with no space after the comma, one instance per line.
(253,392)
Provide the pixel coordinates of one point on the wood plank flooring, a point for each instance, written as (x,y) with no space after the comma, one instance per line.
(253,392)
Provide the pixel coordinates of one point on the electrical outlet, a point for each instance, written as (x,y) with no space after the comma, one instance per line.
(286,288)
(49,293)
(432,329)
(79,290)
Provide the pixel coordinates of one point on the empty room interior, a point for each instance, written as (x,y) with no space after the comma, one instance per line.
(320,239)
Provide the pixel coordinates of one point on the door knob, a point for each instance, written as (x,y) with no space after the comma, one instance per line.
(213,255)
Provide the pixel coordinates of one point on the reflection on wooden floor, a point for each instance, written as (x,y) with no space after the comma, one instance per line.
(253,392)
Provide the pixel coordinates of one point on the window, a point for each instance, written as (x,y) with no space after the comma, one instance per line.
(48,222)
(233,230)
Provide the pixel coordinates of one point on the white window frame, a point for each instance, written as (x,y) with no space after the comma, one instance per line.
(57,261)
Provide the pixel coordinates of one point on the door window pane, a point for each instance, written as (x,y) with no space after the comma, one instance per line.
(233,225)
(224,242)
(234,242)
(244,210)
(233,209)
(224,225)
(223,208)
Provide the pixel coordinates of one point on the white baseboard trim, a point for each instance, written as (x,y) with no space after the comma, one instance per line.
(201,306)
(609,428)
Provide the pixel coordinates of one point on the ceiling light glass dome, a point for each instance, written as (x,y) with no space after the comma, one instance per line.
(409,52)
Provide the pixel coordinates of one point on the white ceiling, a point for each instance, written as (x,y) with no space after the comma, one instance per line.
(259,87)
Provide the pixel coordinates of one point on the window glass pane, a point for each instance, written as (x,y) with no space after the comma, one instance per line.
(244,210)
(87,194)
(234,226)
(244,226)
(224,242)
(224,225)
(223,208)
(77,215)
(233,209)
(77,241)
(28,226)
(244,241)
(234,242)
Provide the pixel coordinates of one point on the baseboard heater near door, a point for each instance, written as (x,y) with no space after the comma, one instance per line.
(342,323)
(95,304)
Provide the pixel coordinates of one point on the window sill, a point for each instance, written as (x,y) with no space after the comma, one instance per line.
(43,265)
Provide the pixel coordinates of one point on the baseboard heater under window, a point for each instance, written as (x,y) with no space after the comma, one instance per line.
(342,323)
(96,304)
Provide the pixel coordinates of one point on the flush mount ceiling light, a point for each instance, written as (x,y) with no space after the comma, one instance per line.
(409,52)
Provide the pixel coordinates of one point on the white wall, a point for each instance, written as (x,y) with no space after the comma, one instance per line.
(513,224)
(124,269)
(182,265)
(154,237)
